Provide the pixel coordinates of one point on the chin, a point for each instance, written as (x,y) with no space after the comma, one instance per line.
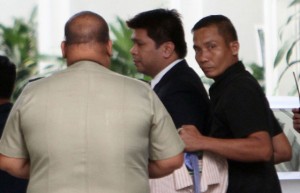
(138,68)
(209,75)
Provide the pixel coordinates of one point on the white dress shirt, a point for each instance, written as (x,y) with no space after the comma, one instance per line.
(159,76)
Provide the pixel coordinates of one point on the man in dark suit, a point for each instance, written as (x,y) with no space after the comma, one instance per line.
(8,183)
(158,51)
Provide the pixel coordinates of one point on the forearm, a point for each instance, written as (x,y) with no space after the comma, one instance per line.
(22,172)
(279,158)
(250,149)
(156,172)
(15,167)
(161,168)
(296,119)
(282,148)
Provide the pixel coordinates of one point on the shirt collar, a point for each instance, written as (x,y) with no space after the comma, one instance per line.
(232,70)
(159,76)
(222,80)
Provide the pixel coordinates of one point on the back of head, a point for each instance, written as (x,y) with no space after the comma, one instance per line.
(86,27)
(87,38)
(162,25)
(7,77)
(224,25)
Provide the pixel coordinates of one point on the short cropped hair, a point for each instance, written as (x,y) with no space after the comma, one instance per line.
(224,25)
(162,25)
(79,29)
(7,77)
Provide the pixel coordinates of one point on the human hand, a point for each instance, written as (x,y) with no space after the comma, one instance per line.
(296,119)
(191,137)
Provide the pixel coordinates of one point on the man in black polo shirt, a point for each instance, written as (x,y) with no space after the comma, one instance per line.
(241,120)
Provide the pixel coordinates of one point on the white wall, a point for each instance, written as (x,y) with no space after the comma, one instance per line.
(290,182)
(15,9)
(246,16)
(55,13)
(290,186)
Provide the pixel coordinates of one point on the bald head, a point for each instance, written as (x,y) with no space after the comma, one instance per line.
(86,27)
(87,38)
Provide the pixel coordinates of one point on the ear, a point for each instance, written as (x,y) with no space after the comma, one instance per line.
(234,46)
(63,49)
(109,48)
(168,49)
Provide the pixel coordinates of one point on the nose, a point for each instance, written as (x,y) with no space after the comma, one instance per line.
(133,50)
(201,57)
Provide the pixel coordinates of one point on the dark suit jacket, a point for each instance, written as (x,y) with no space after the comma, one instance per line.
(184,96)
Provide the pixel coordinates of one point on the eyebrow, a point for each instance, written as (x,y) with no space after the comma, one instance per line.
(135,39)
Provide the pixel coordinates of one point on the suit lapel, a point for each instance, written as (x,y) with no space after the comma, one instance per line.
(170,74)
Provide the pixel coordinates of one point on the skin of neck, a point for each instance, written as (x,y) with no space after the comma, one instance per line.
(97,52)
(168,58)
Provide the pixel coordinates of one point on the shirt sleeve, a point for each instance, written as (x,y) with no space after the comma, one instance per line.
(187,105)
(164,139)
(12,143)
(276,127)
(246,110)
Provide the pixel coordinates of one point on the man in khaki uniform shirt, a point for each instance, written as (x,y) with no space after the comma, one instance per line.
(86,129)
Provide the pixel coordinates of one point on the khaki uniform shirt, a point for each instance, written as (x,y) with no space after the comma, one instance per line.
(89,130)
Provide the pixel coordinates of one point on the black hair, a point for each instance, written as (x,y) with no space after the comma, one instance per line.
(162,25)
(7,77)
(224,25)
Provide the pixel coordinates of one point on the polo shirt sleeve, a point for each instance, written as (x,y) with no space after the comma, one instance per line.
(12,143)
(276,126)
(164,139)
(246,110)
